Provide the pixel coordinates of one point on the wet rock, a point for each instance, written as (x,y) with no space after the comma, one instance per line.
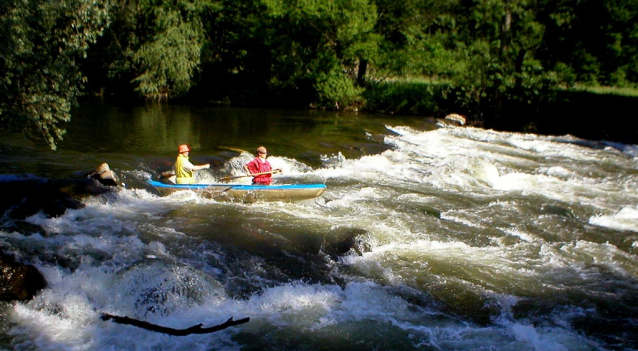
(420,210)
(356,241)
(19,282)
(557,211)
(104,167)
(105,175)
(456,118)
(24,196)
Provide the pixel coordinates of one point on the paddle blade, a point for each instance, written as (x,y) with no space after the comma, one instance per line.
(226,179)
(168,174)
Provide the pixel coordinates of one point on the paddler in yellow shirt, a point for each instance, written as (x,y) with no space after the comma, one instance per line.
(184,168)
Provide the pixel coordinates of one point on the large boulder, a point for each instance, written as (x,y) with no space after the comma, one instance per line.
(25,195)
(456,119)
(105,175)
(19,282)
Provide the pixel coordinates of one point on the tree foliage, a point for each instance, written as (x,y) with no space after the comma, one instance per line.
(480,54)
(322,44)
(43,41)
(156,45)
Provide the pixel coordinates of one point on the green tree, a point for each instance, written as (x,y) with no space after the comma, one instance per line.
(498,49)
(414,35)
(43,43)
(153,47)
(168,56)
(236,59)
(597,40)
(322,44)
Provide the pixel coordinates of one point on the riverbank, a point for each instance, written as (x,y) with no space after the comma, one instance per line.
(585,114)
(588,113)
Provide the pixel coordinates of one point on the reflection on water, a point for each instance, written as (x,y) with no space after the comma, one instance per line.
(158,128)
(122,129)
(121,135)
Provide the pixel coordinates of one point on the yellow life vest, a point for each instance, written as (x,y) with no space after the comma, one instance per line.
(183,176)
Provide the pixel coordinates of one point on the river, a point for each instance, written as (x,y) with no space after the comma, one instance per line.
(429,237)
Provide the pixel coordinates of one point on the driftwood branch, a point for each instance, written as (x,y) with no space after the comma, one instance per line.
(196,329)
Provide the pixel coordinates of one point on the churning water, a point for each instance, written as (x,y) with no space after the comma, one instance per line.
(445,239)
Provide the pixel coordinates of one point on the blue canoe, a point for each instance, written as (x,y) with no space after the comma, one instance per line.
(246,193)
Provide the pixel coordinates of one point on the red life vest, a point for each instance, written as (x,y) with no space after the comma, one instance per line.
(259,166)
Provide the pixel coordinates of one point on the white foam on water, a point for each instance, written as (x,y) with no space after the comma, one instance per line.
(625,219)
(66,315)
(547,186)
(314,307)
(584,254)
(511,162)
(558,172)
(396,263)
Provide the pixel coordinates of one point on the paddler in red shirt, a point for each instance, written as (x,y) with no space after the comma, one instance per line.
(260,168)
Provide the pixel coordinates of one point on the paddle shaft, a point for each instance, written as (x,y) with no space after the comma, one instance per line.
(250,175)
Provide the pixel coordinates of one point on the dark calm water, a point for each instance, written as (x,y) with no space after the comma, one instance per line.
(429,237)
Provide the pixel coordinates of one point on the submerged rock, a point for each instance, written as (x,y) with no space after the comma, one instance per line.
(157,286)
(355,241)
(17,281)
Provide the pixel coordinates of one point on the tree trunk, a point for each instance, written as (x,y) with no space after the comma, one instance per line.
(505,43)
(506,32)
(363,67)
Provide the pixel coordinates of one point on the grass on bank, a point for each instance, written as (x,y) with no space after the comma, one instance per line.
(603,90)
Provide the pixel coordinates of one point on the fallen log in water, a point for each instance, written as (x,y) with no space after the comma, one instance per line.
(196,329)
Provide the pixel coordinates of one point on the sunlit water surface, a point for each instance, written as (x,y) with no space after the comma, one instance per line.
(428,238)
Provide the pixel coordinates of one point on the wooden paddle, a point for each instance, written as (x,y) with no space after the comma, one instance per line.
(225,179)
(168,174)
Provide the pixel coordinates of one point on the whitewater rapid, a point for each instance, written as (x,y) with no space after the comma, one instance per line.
(456,238)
